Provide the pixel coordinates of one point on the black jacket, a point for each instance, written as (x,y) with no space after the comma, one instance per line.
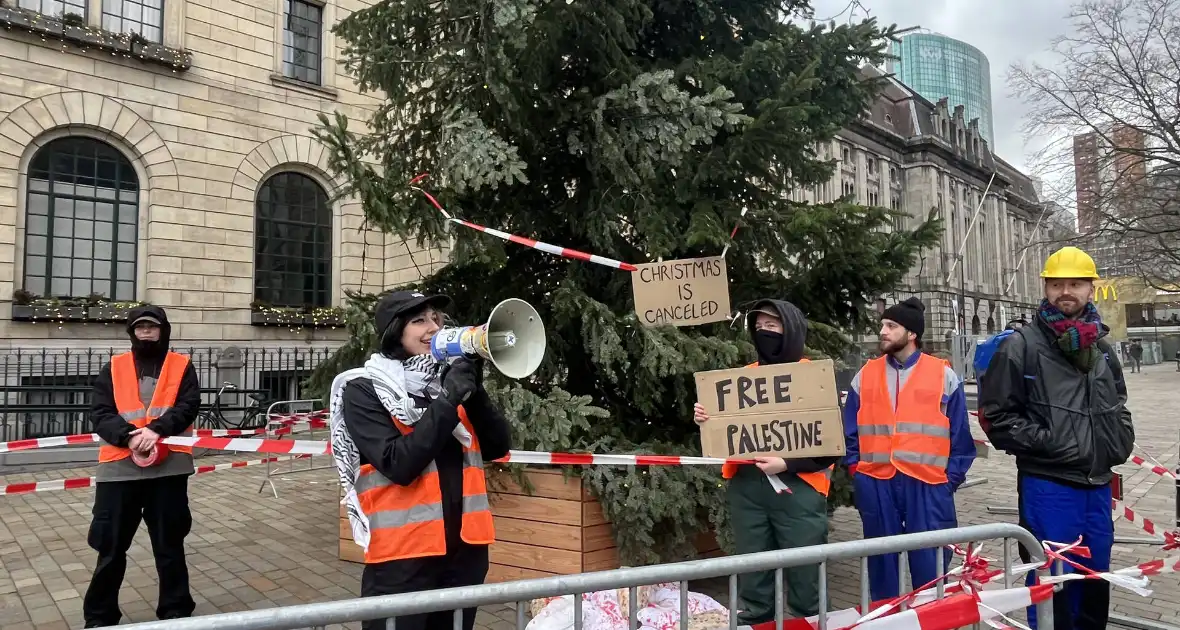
(1058,422)
(794,341)
(402,458)
(104,415)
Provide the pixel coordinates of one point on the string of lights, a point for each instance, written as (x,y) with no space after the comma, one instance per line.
(85,37)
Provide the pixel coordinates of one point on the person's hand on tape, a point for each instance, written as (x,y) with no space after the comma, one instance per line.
(461,380)
(143,440)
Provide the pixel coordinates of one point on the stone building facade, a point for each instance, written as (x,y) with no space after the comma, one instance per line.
(161,151)
(911,154)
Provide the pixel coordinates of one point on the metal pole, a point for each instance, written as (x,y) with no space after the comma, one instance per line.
(1024,252)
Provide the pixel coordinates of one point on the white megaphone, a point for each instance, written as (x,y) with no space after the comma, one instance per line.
(513,340)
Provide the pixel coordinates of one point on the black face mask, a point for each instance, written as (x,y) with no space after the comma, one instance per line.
(771,347)
(148,350)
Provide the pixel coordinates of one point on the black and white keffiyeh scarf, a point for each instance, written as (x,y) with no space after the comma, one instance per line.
(405,389)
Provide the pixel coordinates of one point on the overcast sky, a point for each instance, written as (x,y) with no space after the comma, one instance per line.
(1007,31)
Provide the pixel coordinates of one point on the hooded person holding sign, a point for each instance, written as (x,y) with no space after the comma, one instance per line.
(762,519)
(909,445)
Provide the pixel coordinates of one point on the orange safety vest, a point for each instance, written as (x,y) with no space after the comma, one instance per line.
(407,521)
(916,437)
(125,383)
(821,481)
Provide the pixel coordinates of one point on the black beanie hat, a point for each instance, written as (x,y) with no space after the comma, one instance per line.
(910,313)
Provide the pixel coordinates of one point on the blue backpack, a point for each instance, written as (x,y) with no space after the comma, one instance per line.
(985,350)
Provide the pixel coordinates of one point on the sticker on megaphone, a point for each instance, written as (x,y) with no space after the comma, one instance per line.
(513,340)
(449,344)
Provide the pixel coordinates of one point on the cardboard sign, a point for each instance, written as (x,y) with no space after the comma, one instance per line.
(790,410)
(681,292)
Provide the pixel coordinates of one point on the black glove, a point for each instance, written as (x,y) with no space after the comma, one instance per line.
(461,379)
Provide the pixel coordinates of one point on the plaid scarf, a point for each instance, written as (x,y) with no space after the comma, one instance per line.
(1075,337)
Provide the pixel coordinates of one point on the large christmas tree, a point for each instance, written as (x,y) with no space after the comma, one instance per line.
(636,130)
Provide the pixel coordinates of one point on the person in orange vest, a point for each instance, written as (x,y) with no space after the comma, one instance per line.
(766,520)
(908,445)
(140,397)
(410,437)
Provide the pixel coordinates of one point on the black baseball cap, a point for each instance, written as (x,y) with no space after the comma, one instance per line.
(399,303)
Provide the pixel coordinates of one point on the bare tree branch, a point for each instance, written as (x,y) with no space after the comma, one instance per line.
(1114,81)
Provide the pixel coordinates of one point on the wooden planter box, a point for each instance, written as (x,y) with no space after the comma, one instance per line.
(557,530)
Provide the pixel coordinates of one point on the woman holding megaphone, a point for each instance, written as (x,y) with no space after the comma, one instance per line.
(410,436)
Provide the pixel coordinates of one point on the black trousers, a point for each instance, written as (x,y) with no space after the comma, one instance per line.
(119,506)
(464,565)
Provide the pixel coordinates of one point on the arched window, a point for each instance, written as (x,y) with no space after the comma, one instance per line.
(81,221)
(292,247)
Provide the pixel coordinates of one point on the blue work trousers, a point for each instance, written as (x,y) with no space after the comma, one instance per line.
(1061,513)
(903,505)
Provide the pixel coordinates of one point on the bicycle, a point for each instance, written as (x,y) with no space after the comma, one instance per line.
(213,417)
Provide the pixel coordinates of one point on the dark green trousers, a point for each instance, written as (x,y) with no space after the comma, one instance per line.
(765,521)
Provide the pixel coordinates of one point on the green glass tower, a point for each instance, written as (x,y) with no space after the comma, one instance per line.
(937,66)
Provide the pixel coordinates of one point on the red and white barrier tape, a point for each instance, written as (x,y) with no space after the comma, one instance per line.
(1171,538)
(47,442)
(92,438)
(310,447)
(248,445)
(1155,468)
(297,427)
(226,432)
(78,483)
(294,418)
(230,442)
(556,250)
(929,612)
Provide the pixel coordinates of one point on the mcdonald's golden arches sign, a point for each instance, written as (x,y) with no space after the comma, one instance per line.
(1106,292)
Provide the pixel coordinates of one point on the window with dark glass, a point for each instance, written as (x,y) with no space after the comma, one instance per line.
(55,8)
(293,251)
(81,221)
(145,17)
(302,40)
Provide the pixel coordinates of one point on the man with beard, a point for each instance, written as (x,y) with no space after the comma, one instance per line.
(908,445)
(1053,395)
(781,503)
(140,397)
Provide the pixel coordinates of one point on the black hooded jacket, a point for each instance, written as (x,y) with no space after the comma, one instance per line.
(788,349)
(149,360)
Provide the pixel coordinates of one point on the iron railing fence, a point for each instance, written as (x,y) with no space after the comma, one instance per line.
(46,392)
(522,592)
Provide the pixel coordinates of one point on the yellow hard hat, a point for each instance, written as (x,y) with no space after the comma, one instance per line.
(1070,262)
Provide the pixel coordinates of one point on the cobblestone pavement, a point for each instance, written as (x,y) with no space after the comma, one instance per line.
(250,550)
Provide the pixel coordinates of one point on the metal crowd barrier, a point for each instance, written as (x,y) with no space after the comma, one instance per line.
(524,591)
(272,419)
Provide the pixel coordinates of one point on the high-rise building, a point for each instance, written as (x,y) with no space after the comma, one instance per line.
(1107,172)
(937,67)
